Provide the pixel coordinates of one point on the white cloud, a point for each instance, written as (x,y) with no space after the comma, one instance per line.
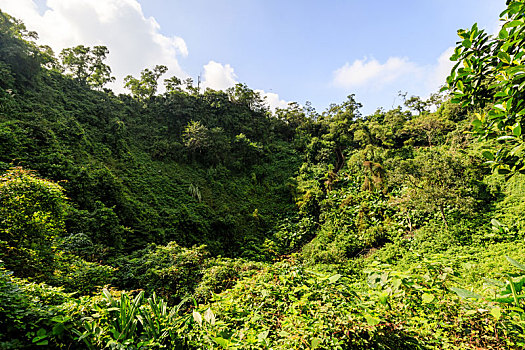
(437,74)
(363,72)
(397,73)
(134,41)
(273,100)
(217,76)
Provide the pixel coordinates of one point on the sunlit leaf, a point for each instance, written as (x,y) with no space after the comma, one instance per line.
(427,298)
(515,263)
(371,320)
(315,343)
(197,317)
(465,294)
(334,278)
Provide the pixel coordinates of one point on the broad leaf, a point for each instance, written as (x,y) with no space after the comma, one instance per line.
(515,263)
(463,293)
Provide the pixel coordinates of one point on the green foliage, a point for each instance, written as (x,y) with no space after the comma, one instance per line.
(19,54)
(80,276)
(196,137)
(489,74)
(295,229)
(131,323)
(436,181)
(34,315)
(87,65)
(222,274)
(510,312)
(32,212)
(171,271)
(144,89)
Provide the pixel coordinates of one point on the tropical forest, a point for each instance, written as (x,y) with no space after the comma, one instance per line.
(177,217)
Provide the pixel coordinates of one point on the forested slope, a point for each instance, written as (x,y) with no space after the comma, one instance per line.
(201,219)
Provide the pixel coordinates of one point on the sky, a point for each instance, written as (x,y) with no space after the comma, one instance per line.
(288,50)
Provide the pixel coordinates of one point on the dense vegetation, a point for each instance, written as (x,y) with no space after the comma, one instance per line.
(201,219)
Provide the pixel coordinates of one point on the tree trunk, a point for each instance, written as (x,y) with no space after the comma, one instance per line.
(443,216)
(340,162)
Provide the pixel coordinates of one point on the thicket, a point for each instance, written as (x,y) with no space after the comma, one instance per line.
(200,219)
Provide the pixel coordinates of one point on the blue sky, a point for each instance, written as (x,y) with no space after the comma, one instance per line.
(318,51)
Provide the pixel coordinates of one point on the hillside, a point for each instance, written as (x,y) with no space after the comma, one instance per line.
(203,220)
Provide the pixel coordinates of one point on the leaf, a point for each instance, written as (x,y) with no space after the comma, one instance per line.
(515,263)
(496,223)
(493,282)
(503,34)
(209,316)
(467,43)
(496,312)
(315,343)
(460,85)
(371,320)
(383,298)
(222,342)
(427,298)
(488,155)
(197,317)
(463,293)
(512,24)
(107,294)
(517,131)
(334,278)
(477,123)
(505,57)
(263,335)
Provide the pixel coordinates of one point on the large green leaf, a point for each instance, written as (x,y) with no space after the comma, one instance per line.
(465,294)
(515,263)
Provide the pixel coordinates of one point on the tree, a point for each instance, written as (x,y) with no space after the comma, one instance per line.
(430,125)
(488,76)
(32,212)
(241,94)
(18,50)
(100,72)
(173,85)
(145,88)
(417,104)
(435,180)
(338,121)
(87,65)
(196,137)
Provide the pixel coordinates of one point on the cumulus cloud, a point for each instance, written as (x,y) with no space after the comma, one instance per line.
(134,41)
(438,73)
(397,72)
(219,76)
(273,100)
(365,71)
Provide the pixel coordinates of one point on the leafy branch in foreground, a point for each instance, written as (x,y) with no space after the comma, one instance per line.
(490,75)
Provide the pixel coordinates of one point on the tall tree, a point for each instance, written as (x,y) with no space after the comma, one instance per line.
(145,88)
(19,55)
(436,180)
(338,121)
(87,65)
